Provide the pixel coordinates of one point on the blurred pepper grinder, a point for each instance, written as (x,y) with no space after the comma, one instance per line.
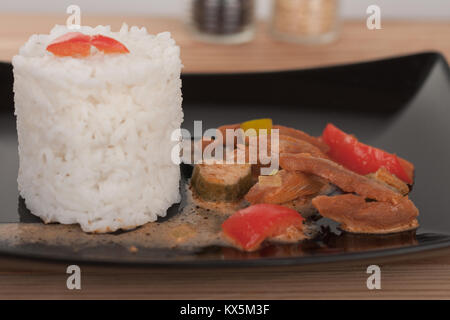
(222,21)
(305,21)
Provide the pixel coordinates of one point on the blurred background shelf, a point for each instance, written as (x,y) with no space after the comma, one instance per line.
(356,42)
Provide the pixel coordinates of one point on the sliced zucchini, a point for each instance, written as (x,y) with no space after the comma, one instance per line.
(221,182)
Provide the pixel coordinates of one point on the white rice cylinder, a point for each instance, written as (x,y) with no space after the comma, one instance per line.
(95,133)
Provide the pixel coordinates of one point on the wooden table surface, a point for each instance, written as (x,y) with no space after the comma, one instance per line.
(425,275)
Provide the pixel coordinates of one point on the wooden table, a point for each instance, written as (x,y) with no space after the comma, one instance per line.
(356,43)
(425,275)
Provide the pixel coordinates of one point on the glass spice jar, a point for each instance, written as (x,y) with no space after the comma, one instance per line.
(305,21)
(222,21)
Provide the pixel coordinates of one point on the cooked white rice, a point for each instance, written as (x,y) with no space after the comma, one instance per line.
(94,133)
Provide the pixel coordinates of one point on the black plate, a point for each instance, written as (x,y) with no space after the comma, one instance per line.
(399,104)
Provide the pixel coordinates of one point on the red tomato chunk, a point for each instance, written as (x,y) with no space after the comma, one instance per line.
(108,45)
(72,44)
(364,159)
(77,44)
(249,227)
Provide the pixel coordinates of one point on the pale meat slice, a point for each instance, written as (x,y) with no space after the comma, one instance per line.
(223,130)
(298,134)
(290,144)
(345,179)
(384,176)
(285,131)
(287,144)
(358,216)
(282,187)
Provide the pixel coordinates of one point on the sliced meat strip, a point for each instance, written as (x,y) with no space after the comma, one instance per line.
(358,216)
(289,185)
(285,131)
(298,134)
(290,144)
(223,130)
(287,144)
(303,204)
(345,179)
(384,176)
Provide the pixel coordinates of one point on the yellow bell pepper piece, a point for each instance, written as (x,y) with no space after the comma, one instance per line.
(257,125)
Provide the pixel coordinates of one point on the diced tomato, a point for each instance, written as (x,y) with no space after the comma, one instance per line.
(108,45)
(77,44)
(364,159)
(248,227)
(72,44)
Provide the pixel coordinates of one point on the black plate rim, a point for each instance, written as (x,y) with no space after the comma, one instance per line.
(257,262)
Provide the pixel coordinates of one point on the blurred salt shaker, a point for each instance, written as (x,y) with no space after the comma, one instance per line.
(222,21)
(305,21)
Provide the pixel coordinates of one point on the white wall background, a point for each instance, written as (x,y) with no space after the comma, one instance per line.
(404,9)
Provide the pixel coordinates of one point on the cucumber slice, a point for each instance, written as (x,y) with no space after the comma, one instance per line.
(221,182)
